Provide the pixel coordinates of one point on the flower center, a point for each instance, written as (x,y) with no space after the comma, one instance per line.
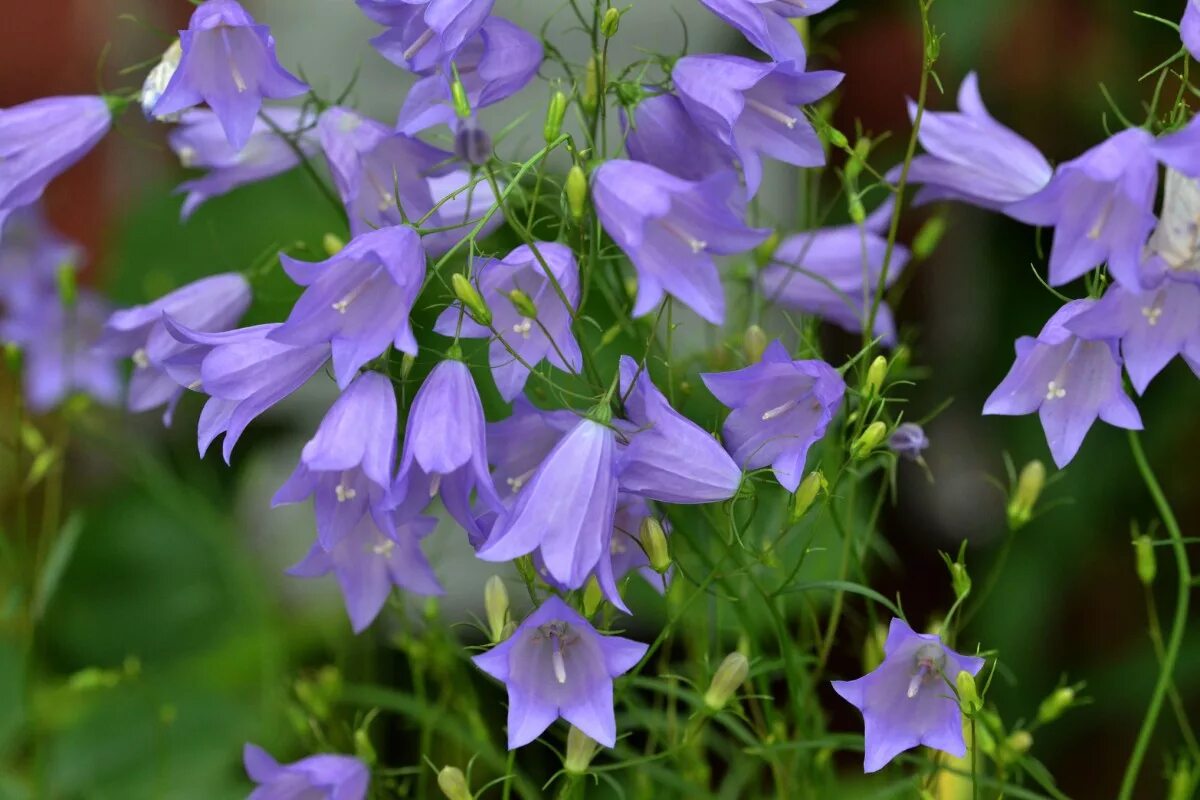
(140,359)
(516,483)
(1101,220)
(1055,391)
(928,662)
(559,634)
(1152,313)
(344,492)
(384,548)
(697,245)
(779,410)
(523,327)
(341,305)
(772,113)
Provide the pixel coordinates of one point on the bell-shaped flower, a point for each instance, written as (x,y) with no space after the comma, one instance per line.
(347,466)
(780,407)
(557,665)
(378,172)
(671,228)
(546,335)
(40,139)
(199,142)
(368,562)
(754,109)
(244,372)
(1069,381)
(359,300)
(445,448)
(319,776)
(424,35)
(229,63)
(1100,206)
(1189,28)
(766,25)
(518,445)
(907,700)
(664,135)
(971,157)
(909,441)
(31,255)
(495,64)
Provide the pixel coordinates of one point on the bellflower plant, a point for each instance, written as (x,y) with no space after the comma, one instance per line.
(334,777)
(425,34)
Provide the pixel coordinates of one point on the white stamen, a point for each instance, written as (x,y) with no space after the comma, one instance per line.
(1101,221)
(194,385)
(140,359)
(1152,313)
(1055,391)
(523,327)
(187,156)
(697,245)
(914,685)
(435,484)
(773,113)
(560,667)
(238,80)
(771,414)
(416,46)
(344,492)
(384,548)
(516,483)
(341,305)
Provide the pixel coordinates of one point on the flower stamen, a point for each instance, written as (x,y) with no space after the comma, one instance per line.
(772,113)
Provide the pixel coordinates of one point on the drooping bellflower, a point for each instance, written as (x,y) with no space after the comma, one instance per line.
(423,35)
(664,135)
(546,336)
(908,441)
(780,407)
(907,700)
(557,665)
(766,25)
(321,776)
(1069,381)
(229,63)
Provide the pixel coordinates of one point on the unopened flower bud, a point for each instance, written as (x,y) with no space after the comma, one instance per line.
(577,192)
(554,117)
(1182,777)
(1147,566)
(909,441)
(928,237)
(968,695)
(495,604)
(654,542)
(458,95)
(959,578)
(766,251)
(754,343)
(407,361)
(858,214)
(866,443)
(1024,499)
(1019,742)
(806,493)
(363,748)
(1053,706)
(523,303)
(858,159)
(728,679)
(67,289)
(333,244)
(610,23)
(453,784)
(593,596)
(591,86)
(469,296)
(581,748)
(473,144)
(875,375)
(837,138)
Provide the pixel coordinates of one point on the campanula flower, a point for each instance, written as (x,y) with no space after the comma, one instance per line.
(359,300)
(671,228)
(765,25)
(1189,28)
(664,135)
(368,562)
(423,35)
(518,445)
(1100,206)
(907,700)
(754,108)
(1069,381)
(229,63)
(780,407)
(347,466)
(546,336)
(557,665)
(464,199)
(215,303)
(31,254)
(909,441)
(318,777)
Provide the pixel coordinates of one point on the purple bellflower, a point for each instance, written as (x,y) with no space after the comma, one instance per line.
(461,212)
(548,336)
(518,445)
(31,254)
(753,109)
(445,448)
(780,407)
(319,777)
(215,303)
(971,157)
(908,441)
(40,139)
(1069,381)
(1189,28)
(907,701)
(229,63)
(423,35)
(557,665)
(347,466)
(359,300)
(765,25)
(244,372)
(199,142)
(671,228)
(663,135)
(1100,206)
(377,171)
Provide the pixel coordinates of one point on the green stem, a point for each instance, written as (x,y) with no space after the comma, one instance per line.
(1178,625)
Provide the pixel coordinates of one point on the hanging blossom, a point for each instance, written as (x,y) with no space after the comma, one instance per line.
(971,157)
(423,35)
(1100,206)
(518,444)
(671,228)
(822,272)
(766,24)
(907,701)
(557,665)
(328,776)
(215,303)
(359,300)
(347,466)
(199,142)
(780,407)
(754,109)
(909,441)
(544,336)
(663,135)
(228,62)
(1069,381)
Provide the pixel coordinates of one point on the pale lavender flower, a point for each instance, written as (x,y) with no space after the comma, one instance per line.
(1100,205)
(229,63)
(347,466)
(664,135)
(671,228)
(31,254)
(319,777)
(425,34)
(359,300)
(780,407)
(200,143)
(557,665)
(765,25)
(1174,249)
(909,441)
(754,109)
(548,336)
(469,199)
(518,445)
(1189,28)
(1069,381)
(907,700)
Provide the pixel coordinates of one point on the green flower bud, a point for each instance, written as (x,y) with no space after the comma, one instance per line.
(968,695)
(1182,778)
(12,357)
(554,117)
(68,292)
(806,493)
(928,237)
(1147,566)
(728,679)
(495,604)
(469,296)
(580,751)
(858,159)
(1053,706)
(858,214)
(610,23)
(333,244)
(754,342)
(523,303)
(959,578)
(364,749)
(577,192)
(875,375)
(591,86)
(453,784)
(458,94)
(837,138)
(1019,742)
(1024,499)
(866,443)
(654,542)
(407,361)
(766,251)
